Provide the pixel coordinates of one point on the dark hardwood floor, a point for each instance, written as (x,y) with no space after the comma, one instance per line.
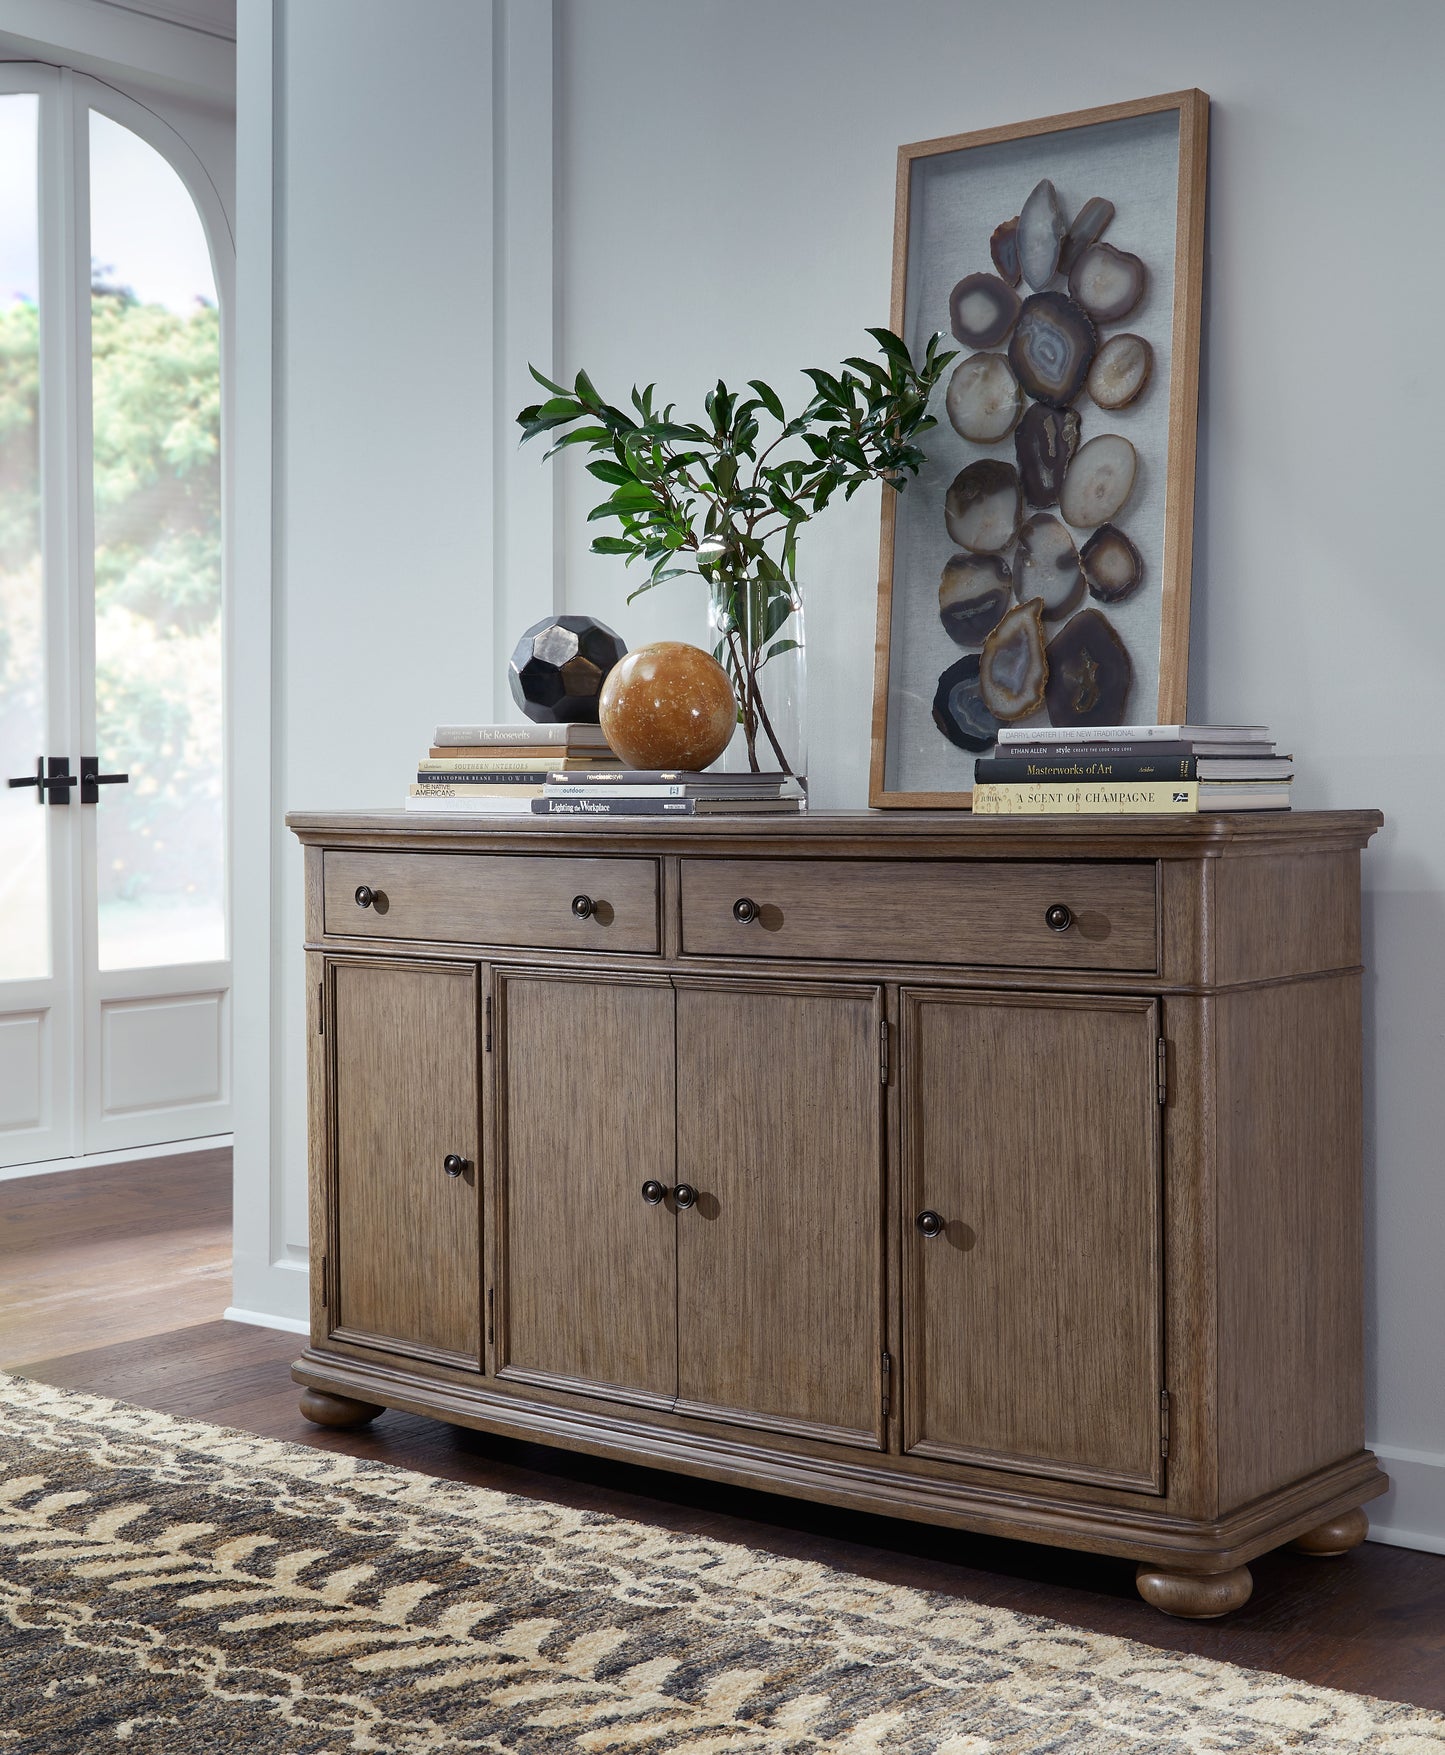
(113,1281)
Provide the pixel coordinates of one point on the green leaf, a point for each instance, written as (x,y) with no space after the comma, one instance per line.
(584,389)
(894,346)
(768,397)
(546,383)
(781,646)
(606,470)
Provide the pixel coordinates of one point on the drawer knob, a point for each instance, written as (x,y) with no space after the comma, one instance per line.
(1059,918)
(653,1192)
(685,1194)
(365,895)
(453,1165)
(583,907)
(929,1223)
(745,909)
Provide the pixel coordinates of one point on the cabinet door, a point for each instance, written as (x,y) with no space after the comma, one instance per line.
(587,1267)
(1032,1322)
(780,1262)
(405,1236)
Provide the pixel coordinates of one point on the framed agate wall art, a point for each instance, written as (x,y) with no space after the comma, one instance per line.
(1037,572)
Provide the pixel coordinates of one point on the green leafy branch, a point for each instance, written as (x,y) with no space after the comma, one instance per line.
(712,498)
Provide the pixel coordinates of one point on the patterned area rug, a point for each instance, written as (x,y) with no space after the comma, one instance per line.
(167,1587)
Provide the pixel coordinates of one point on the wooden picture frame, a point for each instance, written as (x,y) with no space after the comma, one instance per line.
(1135,147)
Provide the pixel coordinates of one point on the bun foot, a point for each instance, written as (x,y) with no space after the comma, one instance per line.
(1194,1596)
(1337,1536)
(336,1410)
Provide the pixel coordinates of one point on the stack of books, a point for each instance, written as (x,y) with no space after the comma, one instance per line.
(502,769)
(1132,769)
(662,792)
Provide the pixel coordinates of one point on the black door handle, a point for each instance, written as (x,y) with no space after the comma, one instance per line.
(91,780)
(929,1223)
(685,1195)
(58,780)
(453,1165)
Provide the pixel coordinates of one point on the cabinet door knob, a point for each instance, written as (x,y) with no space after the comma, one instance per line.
(453,1165)
(745,909)
(583,907)
(653,1192)
(1059,918)
(929,1223)
(685,1194)
(365,895)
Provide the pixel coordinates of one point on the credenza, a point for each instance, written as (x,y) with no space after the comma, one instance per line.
(1001,1173)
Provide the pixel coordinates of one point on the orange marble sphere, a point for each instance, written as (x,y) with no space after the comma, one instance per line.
(668,705)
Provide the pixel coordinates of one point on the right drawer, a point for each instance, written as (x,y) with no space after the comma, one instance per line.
(995,914)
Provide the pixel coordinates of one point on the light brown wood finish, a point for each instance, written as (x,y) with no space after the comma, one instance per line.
(1031,1129)
(512,900)
(1193,108)
(403,1265)
(780,1263)
(587,1269)
(1195,1596)
(340,1411)
(1327,1541)
(1291,1246)
(1232,1426)
(989,915)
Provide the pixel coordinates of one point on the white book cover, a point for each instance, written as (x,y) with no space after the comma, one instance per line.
(1133,734)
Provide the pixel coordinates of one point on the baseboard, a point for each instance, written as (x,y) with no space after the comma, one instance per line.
(263,1319)
(1412,1513)
(130,1155)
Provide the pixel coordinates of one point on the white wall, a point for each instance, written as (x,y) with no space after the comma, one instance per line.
(723,189)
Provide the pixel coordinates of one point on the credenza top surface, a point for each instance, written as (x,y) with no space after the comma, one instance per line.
(937,834)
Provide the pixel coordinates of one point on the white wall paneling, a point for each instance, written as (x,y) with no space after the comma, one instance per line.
(25,1054)
(719,199)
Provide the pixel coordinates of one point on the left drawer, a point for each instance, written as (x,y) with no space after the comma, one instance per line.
(493,899)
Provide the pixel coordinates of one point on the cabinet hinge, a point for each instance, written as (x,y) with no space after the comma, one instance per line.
(488,1025)
(887,1384)
(323,1282)
(491,1310)
(883,1055)
(1163,1422)
(320,1008)
(1161,1063)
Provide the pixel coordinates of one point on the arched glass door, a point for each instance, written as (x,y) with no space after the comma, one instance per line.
(115,264)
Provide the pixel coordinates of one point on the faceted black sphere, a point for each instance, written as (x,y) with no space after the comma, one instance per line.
(557,669)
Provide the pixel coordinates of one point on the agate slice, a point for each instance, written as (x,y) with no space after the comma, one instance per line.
(982,310)
(984,401)
(1099,481)
(973,595)
(1107,282)
(1090,673)
(1120,370)
(958,709)
(1046,567)
(1013,670)
(1044,443)
(1052,348)
(1090,224)
(1112,565)
(983,505)
(1041,232)
(1003,246)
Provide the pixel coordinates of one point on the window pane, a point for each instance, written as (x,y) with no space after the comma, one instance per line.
(156,382)
(24,880)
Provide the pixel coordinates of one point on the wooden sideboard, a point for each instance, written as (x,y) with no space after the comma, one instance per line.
(1001,1173)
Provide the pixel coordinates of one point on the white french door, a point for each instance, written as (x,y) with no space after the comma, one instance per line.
(115,271)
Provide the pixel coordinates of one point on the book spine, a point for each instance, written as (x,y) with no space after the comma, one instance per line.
(1148,798)
(569,736)
(562,786)
(1053,769)
(613,807)
(484,761)
(481,776)
(463,789)
(1163,747)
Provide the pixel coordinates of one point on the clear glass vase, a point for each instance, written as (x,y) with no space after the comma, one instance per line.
(755,632)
